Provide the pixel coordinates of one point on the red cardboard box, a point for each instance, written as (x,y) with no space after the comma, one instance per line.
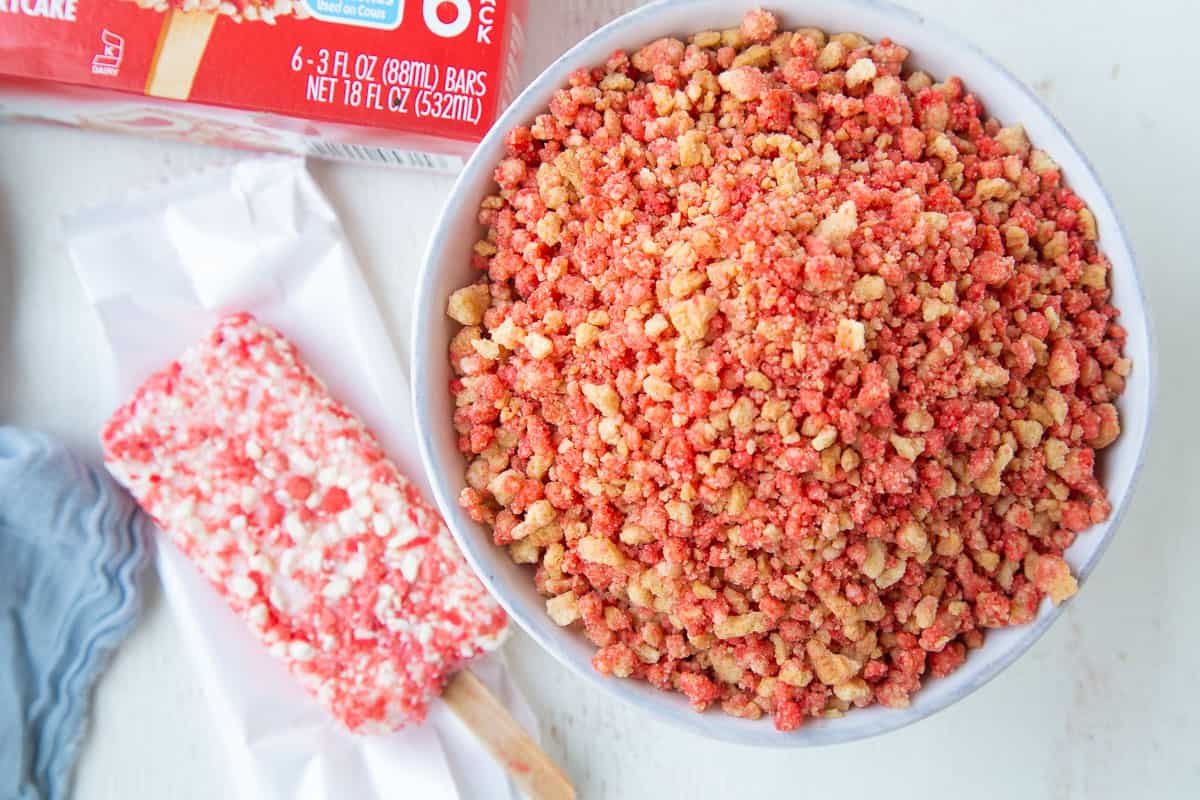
(406,82)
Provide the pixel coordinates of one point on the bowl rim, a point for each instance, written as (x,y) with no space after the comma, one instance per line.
(427,312)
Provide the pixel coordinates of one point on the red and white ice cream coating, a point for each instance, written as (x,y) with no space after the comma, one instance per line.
(261,10)
(286,502)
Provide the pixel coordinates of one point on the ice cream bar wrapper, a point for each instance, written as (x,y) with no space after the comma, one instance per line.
(160,268)
(413,83)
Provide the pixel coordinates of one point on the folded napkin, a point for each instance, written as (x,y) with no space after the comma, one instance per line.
(72,545)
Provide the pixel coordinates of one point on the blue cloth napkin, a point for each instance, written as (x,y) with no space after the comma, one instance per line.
(72,545)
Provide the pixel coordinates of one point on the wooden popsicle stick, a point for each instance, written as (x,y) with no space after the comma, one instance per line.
(529,767)
(181,43)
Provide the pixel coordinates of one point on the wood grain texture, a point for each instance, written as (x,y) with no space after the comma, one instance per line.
(527,765)
(554,26)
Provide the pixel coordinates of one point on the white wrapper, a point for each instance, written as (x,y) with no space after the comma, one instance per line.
(160,268)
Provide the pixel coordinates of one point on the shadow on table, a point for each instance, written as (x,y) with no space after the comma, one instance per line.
(8,310)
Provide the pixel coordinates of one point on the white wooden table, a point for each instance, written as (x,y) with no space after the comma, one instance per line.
(1103,707)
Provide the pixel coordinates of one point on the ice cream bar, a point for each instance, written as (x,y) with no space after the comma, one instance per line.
(181,45)
(288,505)
(261,10)
(186,28)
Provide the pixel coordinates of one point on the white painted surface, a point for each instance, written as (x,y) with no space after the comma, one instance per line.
(1104,706)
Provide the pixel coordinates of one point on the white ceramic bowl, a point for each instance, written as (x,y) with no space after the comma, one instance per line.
(447,268)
